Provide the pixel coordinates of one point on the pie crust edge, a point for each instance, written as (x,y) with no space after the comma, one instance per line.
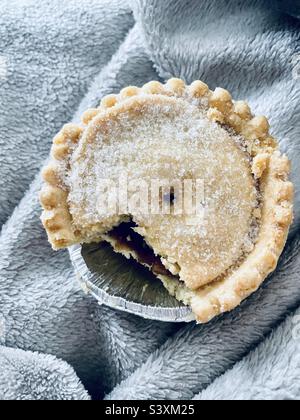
(269,167)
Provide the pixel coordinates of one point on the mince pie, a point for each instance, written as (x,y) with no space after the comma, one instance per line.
(210,252)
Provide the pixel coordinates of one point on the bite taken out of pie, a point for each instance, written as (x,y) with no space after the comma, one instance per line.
(223,198)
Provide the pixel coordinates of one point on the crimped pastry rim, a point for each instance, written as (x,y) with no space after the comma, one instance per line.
(269,167)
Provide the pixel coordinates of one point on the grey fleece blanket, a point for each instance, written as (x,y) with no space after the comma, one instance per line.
(58,58)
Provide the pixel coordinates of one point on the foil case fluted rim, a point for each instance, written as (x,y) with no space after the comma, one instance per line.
(87,280)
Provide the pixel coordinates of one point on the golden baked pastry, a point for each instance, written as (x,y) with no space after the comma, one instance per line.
(210,259)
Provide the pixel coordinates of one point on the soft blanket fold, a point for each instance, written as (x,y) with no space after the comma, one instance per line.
(57,59)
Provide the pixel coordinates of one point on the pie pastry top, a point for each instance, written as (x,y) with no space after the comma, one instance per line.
(210,261)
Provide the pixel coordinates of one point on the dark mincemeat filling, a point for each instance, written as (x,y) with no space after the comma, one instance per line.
(126,237)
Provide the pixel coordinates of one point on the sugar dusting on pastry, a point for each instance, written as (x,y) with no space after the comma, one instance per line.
(170,139)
